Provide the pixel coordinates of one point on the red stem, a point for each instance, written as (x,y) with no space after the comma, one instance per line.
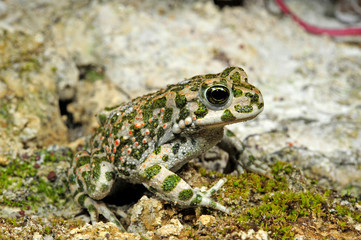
(318,30)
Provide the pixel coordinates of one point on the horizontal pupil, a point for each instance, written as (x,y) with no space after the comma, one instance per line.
(217,95)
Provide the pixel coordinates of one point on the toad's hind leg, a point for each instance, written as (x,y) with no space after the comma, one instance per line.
(91,179)
(169,186)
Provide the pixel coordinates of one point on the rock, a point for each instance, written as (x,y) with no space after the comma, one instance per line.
(174,228)
(146,215)
(206,220)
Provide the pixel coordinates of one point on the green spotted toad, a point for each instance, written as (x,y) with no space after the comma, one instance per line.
(148,139)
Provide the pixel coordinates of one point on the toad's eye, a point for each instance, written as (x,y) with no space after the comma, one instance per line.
(217,95)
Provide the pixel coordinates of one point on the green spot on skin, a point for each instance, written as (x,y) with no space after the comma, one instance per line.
(176,88)
(197,200)
(175,148)
(81,186)
(157,150)
(91,208)
(237,93)
(183,114)
(165,158)
(102,118)
(114,118)
(194,88)
(159,103)
(137,154)
(170,182)
(180,101)
(153,124)
(160,132)
(96,172)
(243,109)
(109,176)
(72,179)
(185,195)
(213,204)
(222,81)
(108,109)
(130,116)
(96,144)
(226,72)
(82,161)
(202,110)
(86,176)
(167,115)
(245,85)
(227,116)
(116,128)
(210,76)
(236,77)
(254,97)
(229,133)
(260,105)
(150,172)
(104,187)
(81,199)
(119,225)
(91,188)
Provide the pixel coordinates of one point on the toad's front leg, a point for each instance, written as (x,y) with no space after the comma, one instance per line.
(91,179)
(240,156)
(169,186)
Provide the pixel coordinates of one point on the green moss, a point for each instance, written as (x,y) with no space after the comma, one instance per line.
(30,187)
(91,73)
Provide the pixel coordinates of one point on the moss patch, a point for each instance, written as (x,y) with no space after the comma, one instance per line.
(32,184)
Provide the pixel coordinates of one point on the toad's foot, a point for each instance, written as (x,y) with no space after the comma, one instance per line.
(96,207)
(250,163)
(206,201)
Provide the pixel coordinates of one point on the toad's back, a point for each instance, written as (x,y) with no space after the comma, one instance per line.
(131,132)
